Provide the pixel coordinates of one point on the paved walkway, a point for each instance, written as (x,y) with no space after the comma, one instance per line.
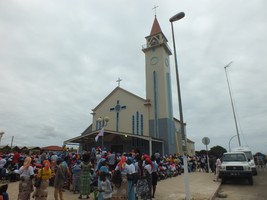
(201,184)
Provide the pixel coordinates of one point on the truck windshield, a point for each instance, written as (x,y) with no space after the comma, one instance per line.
(249,155)
(234,157)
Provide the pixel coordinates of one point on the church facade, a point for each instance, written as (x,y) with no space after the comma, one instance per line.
(132,122)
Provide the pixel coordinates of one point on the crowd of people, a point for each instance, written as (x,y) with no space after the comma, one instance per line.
(108,175)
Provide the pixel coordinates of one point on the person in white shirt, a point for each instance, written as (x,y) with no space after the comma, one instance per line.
(218,167)
(130,177)
(26,175)
(120,191)
(154,175)
(105,186)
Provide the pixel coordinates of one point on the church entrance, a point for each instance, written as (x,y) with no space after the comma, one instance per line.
(116,148)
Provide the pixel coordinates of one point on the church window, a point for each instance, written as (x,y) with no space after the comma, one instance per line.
(142,124)
(117,121)
(154,42)
(133,125)
(137,123)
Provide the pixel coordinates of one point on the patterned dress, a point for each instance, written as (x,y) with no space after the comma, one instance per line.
(85,178)
(121,192)
(76,177)
(25,184)
(143,187)
(25,188)
(41,192)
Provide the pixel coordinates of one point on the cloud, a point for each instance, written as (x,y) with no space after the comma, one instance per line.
(59,59)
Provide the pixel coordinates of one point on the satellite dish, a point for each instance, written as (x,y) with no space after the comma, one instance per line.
(206,140)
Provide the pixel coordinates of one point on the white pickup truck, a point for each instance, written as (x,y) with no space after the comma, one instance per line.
(249,156)
(235,165)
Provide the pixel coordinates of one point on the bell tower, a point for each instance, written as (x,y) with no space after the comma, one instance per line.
(158,87)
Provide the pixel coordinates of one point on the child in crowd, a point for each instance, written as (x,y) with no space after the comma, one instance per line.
(105,186)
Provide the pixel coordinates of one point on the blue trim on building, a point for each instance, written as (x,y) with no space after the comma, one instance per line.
(137,123)
(117,121)
(155,90)
(133,125)
(142,124)
(170,108)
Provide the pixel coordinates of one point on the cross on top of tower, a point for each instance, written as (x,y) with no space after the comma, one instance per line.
(119,80)
(155,8)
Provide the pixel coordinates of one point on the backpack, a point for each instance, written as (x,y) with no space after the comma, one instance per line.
(116,178)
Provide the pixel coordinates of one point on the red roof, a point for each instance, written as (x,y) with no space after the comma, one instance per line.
(52,148)
(155,27)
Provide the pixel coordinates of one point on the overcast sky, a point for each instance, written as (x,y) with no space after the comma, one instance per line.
(59,59)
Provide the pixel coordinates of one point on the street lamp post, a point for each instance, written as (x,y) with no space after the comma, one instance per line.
(230,142)
(233,108)
(177,17)
(1,135)
(103,124)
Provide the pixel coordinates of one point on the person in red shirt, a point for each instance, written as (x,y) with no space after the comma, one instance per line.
(16,158)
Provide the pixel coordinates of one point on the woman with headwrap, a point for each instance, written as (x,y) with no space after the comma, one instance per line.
(85,188)
(45,173)
(121,191)
(26,175)
(148,171)
(143,187)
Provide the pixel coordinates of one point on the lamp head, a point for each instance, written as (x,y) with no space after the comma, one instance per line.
(106,119)
(177,17)
(228,65)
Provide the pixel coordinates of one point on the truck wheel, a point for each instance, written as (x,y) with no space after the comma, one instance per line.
(250,180)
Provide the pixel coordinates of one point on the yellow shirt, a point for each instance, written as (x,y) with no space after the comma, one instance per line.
(46,174)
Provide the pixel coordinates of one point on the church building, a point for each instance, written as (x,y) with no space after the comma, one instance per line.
(128,121)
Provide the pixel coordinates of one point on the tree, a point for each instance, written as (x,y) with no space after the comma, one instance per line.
(201,152)
(217,151)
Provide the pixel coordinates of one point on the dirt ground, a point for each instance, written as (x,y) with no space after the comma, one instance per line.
(240,189)
(201,184)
